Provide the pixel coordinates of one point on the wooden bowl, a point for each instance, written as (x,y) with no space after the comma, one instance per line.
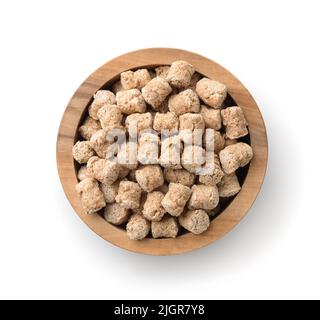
(109,73)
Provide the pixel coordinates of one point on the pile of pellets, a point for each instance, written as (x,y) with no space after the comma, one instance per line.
(161,193)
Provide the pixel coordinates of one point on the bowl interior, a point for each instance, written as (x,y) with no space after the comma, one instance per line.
(241,173)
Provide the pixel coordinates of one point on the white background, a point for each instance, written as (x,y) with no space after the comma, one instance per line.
(49,47)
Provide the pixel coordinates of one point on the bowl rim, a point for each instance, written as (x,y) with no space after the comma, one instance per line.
(108,73)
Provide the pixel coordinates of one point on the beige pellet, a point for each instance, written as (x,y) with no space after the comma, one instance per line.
(142,78)
(235,156)
(110,116)
(131,101)
(229,186)
(110,191)
(91,197)
(100,144)
(150,177)
(165,121)
(156,91)
(195,221)
(138,122)
(184,102)
(162,71)
(105,96)
(212,92)
(171,149)
(89,128)
(211,117)
(104,171)
(82,151)
(127,79)
(235,122)
(191,122)
(135,79)
(193,157)
(153,209)
(83,173)
(116,214)
(138,227)
(176,198)
(204,197)
(180,74)
(129,195)
(148,148)
(101,98)
(181,176)
(166,228)
(213,172)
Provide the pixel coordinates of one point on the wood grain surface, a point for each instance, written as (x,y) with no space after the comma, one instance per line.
(110,72)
